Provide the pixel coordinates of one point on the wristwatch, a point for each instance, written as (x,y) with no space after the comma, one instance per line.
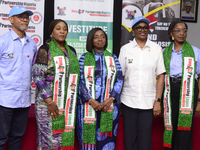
(158,99)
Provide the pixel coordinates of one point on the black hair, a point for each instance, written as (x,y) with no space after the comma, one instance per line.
(90,37)
(172,25)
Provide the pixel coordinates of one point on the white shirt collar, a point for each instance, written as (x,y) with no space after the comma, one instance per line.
(147,44)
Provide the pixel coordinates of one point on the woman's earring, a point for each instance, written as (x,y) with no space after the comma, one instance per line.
(172,38)
(51,36)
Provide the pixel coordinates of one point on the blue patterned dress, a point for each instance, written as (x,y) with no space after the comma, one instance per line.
(101,142)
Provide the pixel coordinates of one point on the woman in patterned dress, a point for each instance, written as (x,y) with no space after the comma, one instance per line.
(54,65)
(98,101)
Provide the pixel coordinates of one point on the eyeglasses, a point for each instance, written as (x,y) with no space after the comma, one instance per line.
(179,31)
(140,28)
(22,18)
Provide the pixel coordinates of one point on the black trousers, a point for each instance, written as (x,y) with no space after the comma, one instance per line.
(137,128)
(13,123)
(181,140)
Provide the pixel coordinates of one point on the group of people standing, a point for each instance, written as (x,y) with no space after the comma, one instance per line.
(84,96)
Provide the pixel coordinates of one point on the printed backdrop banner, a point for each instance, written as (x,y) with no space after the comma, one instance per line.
(160,13)
(35,28)
(83,15)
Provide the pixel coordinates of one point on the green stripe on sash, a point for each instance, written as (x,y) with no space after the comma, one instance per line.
(186,93)
(106,122)
(67,112)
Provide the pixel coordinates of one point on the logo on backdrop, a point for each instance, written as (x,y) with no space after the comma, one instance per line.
(131,14)
(37,39)
(80,11)
(36,18)
(31,29)
(92,13)
(30,6)
(4,16)
(5,25)
(61,11)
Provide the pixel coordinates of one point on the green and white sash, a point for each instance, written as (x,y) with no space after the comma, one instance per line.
(65,93)
(186,93)
(89,124)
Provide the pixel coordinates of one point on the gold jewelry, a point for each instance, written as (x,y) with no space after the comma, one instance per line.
(51,114)
(172,38)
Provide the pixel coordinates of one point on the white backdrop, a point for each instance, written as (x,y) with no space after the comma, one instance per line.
(83,15)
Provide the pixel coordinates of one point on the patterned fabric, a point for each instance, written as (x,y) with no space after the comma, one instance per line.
(89,124)
(101,142)
(43,76)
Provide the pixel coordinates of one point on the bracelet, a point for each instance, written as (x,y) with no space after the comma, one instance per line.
(198,99)
(50,103)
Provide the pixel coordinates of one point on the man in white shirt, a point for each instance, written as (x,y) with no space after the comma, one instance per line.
(141,61)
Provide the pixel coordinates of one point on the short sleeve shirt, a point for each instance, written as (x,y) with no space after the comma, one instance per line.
(15,70)
(140,68)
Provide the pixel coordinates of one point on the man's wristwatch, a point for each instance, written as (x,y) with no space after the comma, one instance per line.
(158,99)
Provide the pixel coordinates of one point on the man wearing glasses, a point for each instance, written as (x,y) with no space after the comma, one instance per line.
(16,55)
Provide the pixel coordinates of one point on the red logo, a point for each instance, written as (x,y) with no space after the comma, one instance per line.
(33,85)
(36,40)
(89,74)
(189,67)
(60,65)
(111,65)
(36,17)
(73,85)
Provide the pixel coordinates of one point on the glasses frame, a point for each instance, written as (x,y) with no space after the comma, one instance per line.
(22,18)
(139,29)
(179,31)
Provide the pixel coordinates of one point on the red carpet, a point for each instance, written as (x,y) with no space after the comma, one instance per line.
(29,140)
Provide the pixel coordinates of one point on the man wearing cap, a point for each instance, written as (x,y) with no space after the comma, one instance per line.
(187,11)
(16,55)
(141,61)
